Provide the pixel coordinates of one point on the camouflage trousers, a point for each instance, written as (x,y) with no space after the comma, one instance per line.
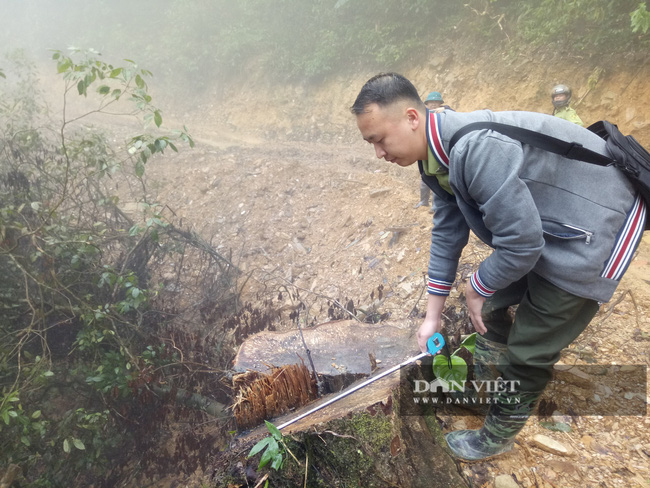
(547,319)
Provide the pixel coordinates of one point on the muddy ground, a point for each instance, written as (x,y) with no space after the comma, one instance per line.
(285,183)
(332,223)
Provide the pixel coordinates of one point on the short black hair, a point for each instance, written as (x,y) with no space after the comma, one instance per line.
(384,89)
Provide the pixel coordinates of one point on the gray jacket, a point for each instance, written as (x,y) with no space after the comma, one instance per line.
(574,223)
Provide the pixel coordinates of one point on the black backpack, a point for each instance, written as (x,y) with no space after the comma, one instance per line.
(626,153)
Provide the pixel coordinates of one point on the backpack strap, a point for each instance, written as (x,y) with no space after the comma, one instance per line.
(571,150)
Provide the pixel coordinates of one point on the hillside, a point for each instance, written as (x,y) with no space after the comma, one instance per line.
(281,177)
(136,283)
(604,87)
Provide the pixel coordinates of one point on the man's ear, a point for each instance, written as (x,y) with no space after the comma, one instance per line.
(414,117)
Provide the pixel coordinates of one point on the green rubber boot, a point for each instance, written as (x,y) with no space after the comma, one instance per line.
(508,414)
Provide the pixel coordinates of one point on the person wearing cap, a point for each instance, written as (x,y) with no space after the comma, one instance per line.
(561,98)
(434,103)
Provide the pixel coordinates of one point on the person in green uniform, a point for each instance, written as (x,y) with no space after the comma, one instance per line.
(434,103)
(561,98)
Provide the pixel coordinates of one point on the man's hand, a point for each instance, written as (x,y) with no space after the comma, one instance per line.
(432,322)
(426,330)
(475,305)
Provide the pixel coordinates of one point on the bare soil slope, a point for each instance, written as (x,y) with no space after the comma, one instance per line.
(308,211)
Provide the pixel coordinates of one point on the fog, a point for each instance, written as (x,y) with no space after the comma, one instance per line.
(174,39)
(195,41)
(40,25)
(117,29)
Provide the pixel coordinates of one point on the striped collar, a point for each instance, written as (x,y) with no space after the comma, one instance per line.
(434,139)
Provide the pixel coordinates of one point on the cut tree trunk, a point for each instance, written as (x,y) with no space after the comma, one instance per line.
(361,440)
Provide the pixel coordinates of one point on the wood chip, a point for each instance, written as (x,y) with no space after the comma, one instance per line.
(560,466)
(550,445)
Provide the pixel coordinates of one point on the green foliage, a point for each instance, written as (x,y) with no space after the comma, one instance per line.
(453,369)
(76,287)
(273,447)
(13,415)
(207,43)
(571,25)
(94,339)
(74,444)
(640,19)
(292,39)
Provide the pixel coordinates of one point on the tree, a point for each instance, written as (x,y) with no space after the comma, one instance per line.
(640,19)
(84,349)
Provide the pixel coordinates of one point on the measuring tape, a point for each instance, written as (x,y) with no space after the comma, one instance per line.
(434,345)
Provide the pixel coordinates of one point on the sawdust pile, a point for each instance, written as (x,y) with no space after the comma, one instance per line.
(263,396)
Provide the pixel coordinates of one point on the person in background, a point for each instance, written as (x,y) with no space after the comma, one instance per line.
(561,98)
(562,235)
(434,103)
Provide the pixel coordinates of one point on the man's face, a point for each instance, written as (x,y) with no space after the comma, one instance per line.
(431,104)
(396,131)
(560,97)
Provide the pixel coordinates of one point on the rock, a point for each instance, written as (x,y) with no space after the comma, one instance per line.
(605,391)
(608,96)
(505,481)
(299,247)
(550,474)
(572,375)
(459,425)
(550,445)
(599,448)
(381,191)
(640,396)
(438,61)
(407,287)
(559,417)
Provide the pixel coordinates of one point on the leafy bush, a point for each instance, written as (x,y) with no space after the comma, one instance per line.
(640,19)
(92,341)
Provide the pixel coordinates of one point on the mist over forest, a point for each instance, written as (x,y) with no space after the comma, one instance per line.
(125,293)
(197,41)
